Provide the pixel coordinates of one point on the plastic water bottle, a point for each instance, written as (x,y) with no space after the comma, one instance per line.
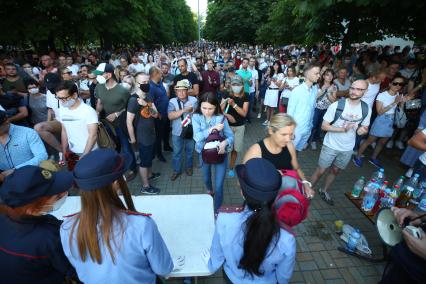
(407,191)
(379,176)
(419,190)
(358,186)
(370,197)
(367,187)
(422,203)
(399,182)
(353,240)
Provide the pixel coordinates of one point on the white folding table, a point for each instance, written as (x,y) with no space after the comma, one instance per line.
(186,223)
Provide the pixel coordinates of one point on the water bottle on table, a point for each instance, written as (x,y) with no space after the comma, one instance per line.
(407,191)
(370,197)
(358,187)
(353,240)
(379,176)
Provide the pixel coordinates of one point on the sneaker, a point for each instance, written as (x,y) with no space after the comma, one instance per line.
(189,172)
(389,145)
(314,145)
(154,176)
(326,197)
(357,161)
(375,162)
(259,115)
(231,173)
(150,190)
(265,123)
(174,176)
(409,173)
(399,145)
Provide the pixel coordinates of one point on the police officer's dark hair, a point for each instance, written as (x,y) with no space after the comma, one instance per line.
(261,228)
(70,86)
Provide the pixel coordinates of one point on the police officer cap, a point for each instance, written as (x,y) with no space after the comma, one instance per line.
(29,183)
(259,180)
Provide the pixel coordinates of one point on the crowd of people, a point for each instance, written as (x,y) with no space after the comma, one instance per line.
(195,102)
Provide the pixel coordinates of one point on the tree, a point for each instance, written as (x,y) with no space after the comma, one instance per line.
(349,21)
(235,21)
(46,23)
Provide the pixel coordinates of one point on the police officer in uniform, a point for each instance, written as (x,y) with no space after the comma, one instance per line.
(108,241)
(30,247)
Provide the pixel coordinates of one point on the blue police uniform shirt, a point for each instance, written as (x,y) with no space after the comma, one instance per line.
(140,253)
(31,251)
(227,250)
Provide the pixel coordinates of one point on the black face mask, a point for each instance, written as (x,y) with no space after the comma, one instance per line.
(144,87)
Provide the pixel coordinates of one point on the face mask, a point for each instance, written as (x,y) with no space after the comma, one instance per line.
(33,91)
(57,205)
(28,69)
(68,103)
(101,79)
(126,85)
(236,89)
(145,87)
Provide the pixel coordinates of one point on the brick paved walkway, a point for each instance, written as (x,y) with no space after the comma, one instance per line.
(318,260)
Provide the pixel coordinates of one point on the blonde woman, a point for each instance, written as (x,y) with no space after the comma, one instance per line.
(277,147)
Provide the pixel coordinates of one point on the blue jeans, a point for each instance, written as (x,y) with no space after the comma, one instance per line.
(316,124)
(178,146)
(251,101)
(219,178)
(126,147)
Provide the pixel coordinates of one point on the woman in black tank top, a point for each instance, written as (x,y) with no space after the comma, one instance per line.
(278,148)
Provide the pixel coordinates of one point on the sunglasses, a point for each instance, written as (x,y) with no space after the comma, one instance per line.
(398,84)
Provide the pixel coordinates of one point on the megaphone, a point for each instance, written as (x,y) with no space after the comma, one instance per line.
(389,230)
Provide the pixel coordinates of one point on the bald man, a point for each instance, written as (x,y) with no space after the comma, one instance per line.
(343,120)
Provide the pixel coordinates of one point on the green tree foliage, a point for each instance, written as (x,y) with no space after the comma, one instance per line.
(312,21)
(235,21)
(108,22)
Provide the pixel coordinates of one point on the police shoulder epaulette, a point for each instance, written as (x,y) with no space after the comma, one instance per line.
(71,215)
(231,209)
(129,212)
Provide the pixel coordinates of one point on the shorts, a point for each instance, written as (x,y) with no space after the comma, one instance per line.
(339,159)
(238,137)
(146,154)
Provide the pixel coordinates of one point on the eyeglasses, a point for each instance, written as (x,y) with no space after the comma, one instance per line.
(64,99)
(398,84)
(357,89)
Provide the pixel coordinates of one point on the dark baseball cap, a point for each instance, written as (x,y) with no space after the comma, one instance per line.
(104,68)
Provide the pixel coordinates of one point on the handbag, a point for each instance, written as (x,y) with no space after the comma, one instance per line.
(400,118)
(106,133)
(210,153)
(187,130)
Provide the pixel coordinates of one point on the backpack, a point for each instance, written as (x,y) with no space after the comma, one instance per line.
(341,106)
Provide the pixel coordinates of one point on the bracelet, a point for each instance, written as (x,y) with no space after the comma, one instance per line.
(307,182)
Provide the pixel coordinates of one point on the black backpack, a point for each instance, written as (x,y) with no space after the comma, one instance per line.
(341,106)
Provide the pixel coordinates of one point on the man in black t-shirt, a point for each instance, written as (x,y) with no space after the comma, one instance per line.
(191,77)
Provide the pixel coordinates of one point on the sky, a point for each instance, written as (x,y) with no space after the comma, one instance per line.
(193,4)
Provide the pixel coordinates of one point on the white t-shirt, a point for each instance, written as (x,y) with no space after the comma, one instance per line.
(351,115)
(386,100)
(75,122)
(254,78)
(135,68)
(370,94)
(342,87)
(423,156)
(53,103)
(292,83)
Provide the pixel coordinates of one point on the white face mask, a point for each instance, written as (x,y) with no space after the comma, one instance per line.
(236,89)
(33,91)
(68,103)
(58,204)
(126,85)
(100,79)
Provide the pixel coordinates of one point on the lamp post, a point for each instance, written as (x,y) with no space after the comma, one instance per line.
(199,28)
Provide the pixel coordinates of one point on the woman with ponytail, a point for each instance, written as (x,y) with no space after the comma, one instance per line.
(250,244)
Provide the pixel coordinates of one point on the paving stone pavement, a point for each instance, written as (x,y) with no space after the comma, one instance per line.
(318,260)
